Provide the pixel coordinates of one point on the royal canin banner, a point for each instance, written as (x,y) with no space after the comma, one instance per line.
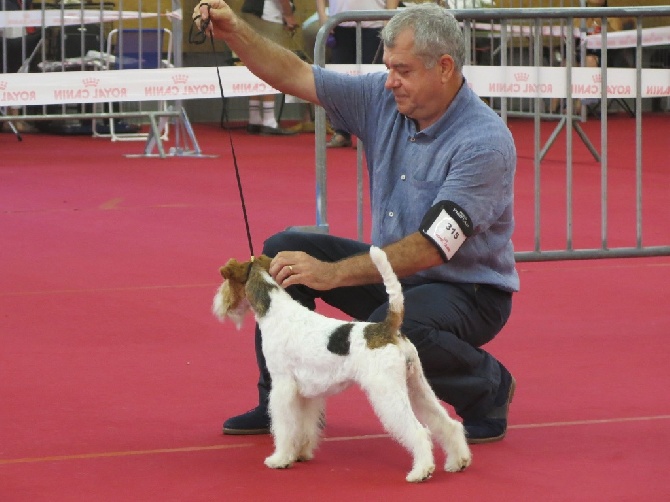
(23,18)
(197,83)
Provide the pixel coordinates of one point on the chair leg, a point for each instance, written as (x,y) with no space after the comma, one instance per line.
(622,103)
(11,125)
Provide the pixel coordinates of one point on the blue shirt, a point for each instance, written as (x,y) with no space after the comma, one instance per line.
(467,157)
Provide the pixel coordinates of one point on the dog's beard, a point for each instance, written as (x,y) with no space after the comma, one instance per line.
(225,305)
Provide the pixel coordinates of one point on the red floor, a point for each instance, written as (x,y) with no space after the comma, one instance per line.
(115,378)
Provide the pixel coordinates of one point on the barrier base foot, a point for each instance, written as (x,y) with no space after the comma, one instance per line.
(186,145)
(317,229)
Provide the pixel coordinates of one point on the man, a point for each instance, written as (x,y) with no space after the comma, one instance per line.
(441,167)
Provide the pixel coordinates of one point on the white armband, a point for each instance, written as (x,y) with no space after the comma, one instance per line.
(447,226)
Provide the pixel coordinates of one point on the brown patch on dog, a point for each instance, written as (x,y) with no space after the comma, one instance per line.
(258,289)
(380,335)
(239,272)
(244,279)
(235,274)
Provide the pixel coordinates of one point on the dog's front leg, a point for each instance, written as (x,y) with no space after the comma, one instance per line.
(285,420)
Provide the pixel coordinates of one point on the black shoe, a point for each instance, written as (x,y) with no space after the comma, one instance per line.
(253,128)
(494,425)
(339,141)
(276,131)
(256,421)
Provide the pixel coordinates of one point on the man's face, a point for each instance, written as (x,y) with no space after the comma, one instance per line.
(419,92)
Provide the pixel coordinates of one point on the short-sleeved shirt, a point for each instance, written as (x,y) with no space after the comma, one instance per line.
(467,157)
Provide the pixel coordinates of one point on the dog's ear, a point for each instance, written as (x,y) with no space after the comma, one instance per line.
(234,270)
(226,269)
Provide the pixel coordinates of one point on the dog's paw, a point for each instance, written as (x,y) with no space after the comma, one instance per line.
(420,473)
(457,463)
(458,453)
(305,456)
(276,461)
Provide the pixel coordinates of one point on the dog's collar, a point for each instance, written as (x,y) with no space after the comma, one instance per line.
(251,264)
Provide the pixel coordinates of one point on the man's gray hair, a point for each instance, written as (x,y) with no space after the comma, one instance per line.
(436,32)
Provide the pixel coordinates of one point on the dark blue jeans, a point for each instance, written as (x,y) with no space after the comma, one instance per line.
(448,323)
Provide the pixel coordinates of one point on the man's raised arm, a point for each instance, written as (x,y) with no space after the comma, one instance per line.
(270,62)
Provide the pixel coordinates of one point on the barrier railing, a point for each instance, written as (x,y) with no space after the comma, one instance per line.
(535,84)
(66,46)
(538,83)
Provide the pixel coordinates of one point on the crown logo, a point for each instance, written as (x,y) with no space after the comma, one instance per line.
(90,82)
(597,78)
(521,77)
(3,85)
(180,78)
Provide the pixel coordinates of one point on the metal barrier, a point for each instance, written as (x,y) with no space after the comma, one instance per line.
(535,26)
(521,35)
(71,37)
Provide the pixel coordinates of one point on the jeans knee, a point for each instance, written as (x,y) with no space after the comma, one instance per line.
(281,241)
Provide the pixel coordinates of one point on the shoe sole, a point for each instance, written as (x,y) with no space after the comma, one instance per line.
(245,432)
(258,432)
(493,439)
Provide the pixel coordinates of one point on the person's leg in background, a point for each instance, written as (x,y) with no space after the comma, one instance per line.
(344,52)
(262,119)
(262,116)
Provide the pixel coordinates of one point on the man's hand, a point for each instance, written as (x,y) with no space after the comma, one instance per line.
(289,268)
(215,16)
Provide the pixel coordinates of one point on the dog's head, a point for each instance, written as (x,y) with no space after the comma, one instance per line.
(231,298)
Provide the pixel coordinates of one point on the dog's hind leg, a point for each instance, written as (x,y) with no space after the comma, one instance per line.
(312,416)
(388,396)
(285,421)
(448,432)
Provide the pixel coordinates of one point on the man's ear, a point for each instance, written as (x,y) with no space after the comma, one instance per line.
(448,66)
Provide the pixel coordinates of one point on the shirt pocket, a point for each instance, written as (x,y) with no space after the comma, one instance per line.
(423,191)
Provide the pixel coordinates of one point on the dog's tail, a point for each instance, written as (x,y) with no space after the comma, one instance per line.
(393,287)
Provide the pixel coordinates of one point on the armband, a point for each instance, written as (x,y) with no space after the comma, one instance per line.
(447,226)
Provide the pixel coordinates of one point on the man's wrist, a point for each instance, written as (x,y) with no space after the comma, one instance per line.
(337,274)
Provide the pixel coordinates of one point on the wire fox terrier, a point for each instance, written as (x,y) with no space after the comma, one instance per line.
(310,356)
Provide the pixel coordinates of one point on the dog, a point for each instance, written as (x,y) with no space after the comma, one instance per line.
(310,356)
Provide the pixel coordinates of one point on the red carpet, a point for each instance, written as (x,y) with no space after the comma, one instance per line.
(115,378)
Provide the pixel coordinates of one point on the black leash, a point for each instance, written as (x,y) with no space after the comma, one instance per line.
(199,37)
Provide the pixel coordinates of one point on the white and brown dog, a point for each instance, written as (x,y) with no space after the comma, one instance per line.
(310,356)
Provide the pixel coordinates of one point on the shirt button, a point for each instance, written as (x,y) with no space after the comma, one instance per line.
(412,139)
(403,177)
(391,214)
